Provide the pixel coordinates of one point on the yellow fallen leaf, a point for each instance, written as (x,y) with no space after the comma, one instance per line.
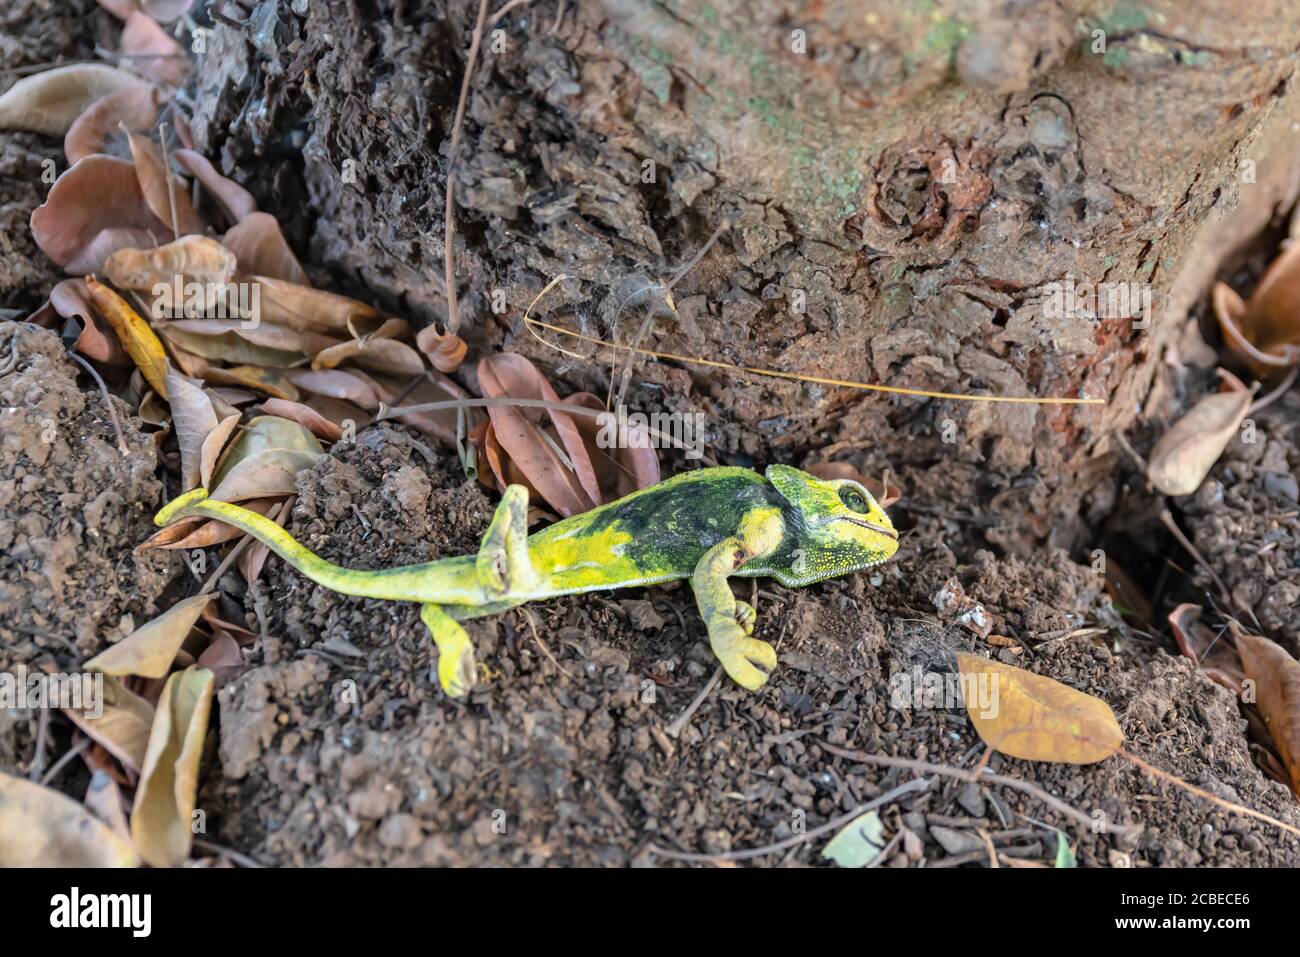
(40,827)
(1028,716)
(164,800)
(144,348)
(150,650)
(122,726)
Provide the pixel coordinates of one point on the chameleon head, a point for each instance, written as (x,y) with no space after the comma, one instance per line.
(843,527)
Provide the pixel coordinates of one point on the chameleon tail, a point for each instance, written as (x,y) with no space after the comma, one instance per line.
(392,584)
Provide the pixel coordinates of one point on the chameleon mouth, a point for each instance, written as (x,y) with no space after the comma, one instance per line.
(891,533)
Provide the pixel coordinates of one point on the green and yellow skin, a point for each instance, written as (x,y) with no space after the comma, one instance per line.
(706,526)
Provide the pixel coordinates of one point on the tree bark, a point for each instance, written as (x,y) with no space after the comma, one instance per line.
(903,180)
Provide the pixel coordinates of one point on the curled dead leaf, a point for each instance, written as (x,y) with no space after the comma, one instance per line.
(39,827)
(302,307)
(1277,693)
(1213,654)
(265,460)
(545,444)
(97,340)
(134,108)
(445,350)
(320,426)
(164,193)
(1264,331)
(164,799)
(261,249)
(153,51)
(1029,716)
(48,102)
(134,333)
(94,209)
(150,650)
(235,201)
(1185,454)
(122,724)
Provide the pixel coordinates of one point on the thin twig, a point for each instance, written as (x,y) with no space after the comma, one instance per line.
(449,235)
(71,753)
(1264,401)
(492,20)
(1201,793)
(773,373)
(171,182)
(1167,517)
(42,730)
(959,774)
(679,723)
(243,860)
(108,401)
(916,784)
(532,625)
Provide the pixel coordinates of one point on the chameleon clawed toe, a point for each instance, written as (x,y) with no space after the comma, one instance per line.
(705,526)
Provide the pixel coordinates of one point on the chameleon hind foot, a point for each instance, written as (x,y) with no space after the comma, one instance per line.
(749,662)
(457,669)
(503,566)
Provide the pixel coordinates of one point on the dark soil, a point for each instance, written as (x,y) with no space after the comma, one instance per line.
(72,508)
(564,755)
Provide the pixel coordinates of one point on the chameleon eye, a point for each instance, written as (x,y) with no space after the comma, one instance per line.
(853,499)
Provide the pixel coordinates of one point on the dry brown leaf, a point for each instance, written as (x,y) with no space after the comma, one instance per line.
(1264,331)
(151,170)
(302,307)
(1213,654)
(194,419)
(1024,715)
(235,201)
(379,355)
(164,800)
(1277,693)
(265,460)
(263,334)
(97,340)
(632,462)
(227,347)
(570,487)
(153,51)
(445,350)
(134,108)
(254,557)
(122,727)
(259,244)
(165,11)
(48,102)
(196,258)
(134,333)
(350,385)
(270,381)
(104,799)
(201,532)
(222,657)
(39,827)
(321,427)
(94,209)
(213,445)
(1186,453)
(150,650)
(120,8)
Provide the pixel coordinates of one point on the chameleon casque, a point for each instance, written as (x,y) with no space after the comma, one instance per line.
(705,525)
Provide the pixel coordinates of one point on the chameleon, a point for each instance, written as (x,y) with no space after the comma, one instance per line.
(705,525)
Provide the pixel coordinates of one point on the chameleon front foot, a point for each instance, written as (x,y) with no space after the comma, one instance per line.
(457,668)
(749,662)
